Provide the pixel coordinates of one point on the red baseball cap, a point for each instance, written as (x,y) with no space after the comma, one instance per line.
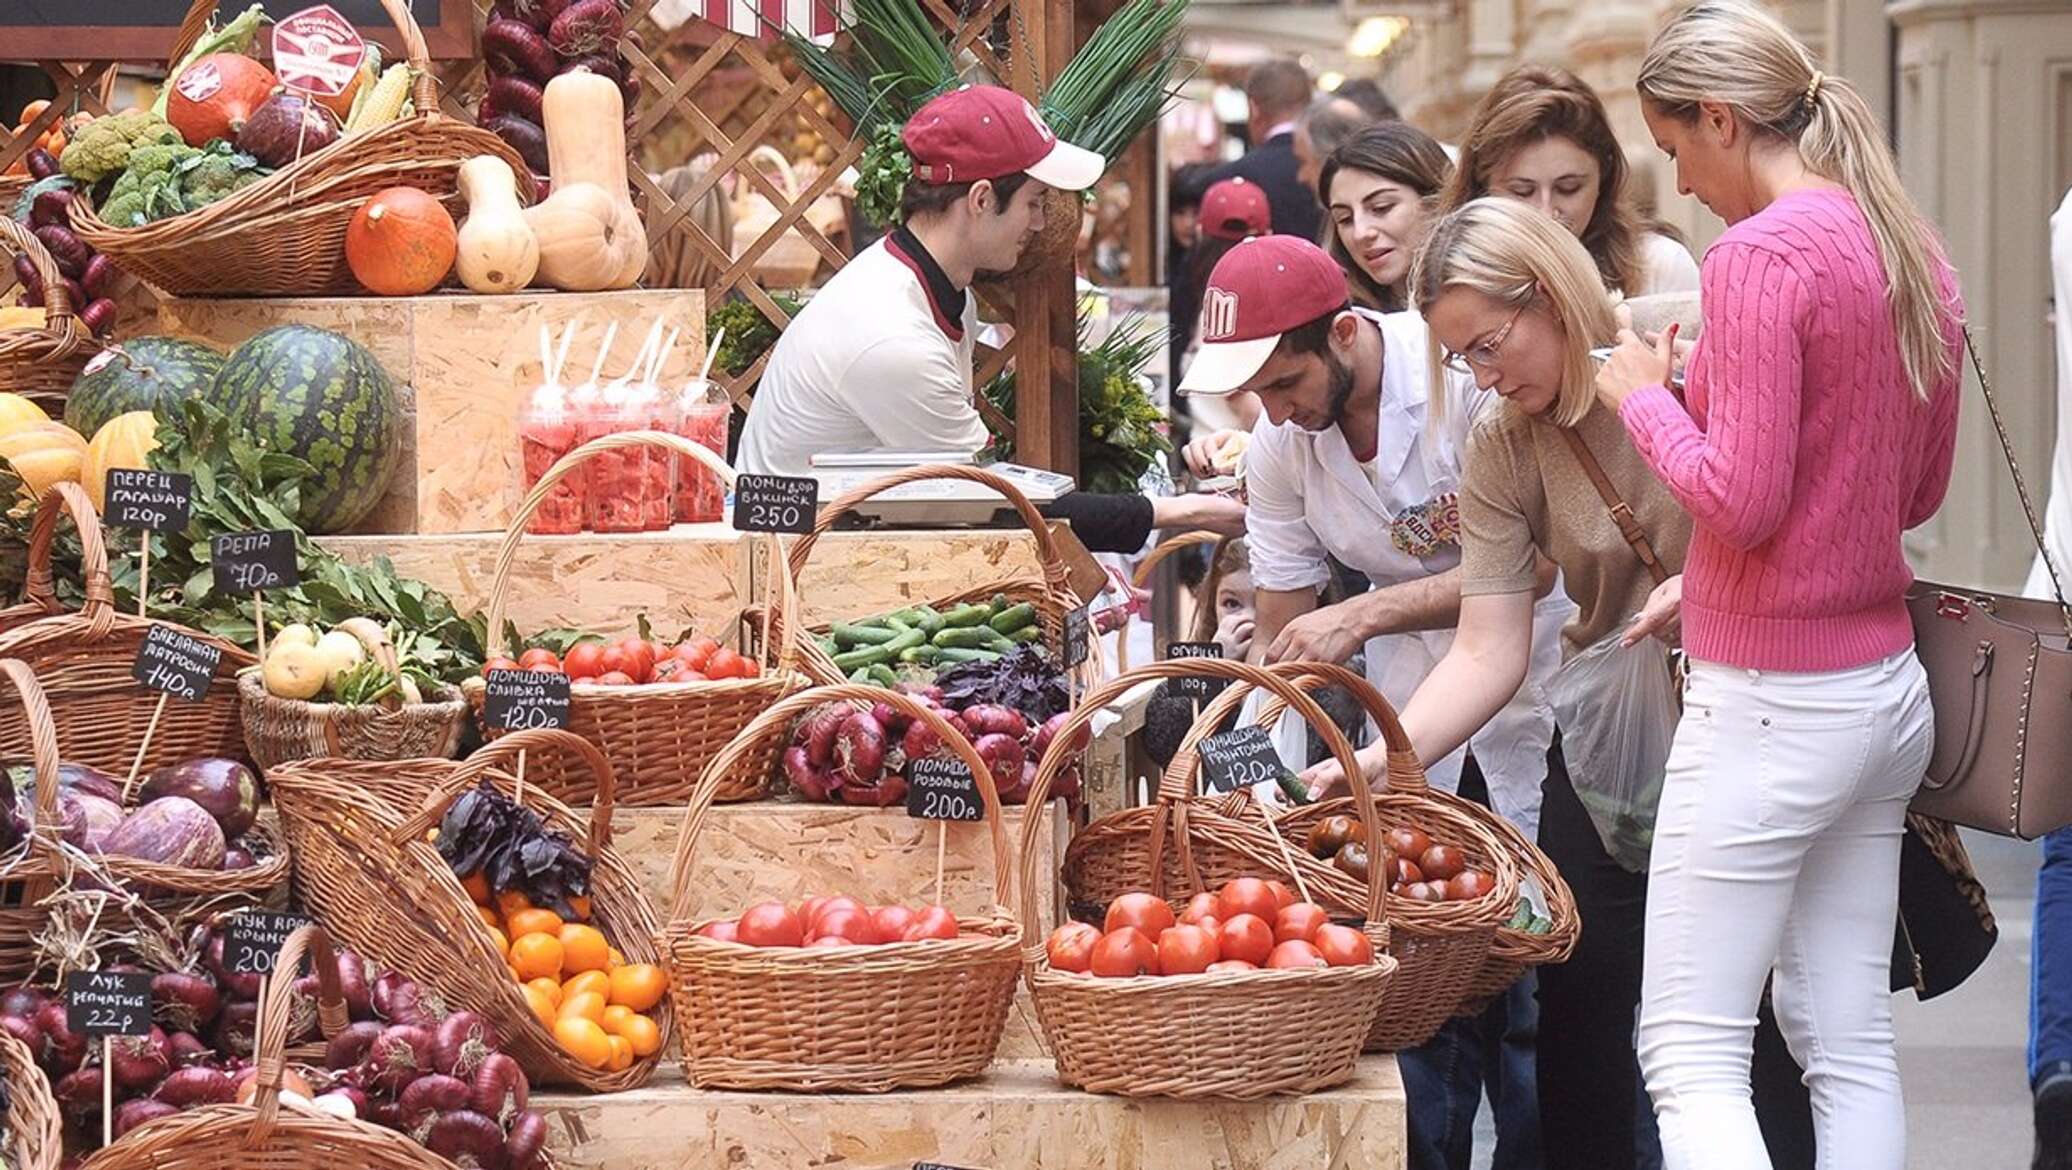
(986,132)
(1262,288)
(1235,209)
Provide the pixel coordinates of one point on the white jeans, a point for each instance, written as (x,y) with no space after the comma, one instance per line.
(1777,847)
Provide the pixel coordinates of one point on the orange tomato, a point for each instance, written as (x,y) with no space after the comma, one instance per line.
(644,1034)
(512,901)
(579,907)
(584,1040)
(537,956)
(477,886)
(639,986)
(503,944)
(622,1054)
(29,113)
(615,1018)
(583,948)
(533,922)
(542,1006)
(588,1005)
(596,983)
(546,986)
(490,917)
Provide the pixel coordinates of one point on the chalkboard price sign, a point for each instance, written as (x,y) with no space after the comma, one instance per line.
(253,940)
(1197,687)
(524,700)
(1238,759)
(1078,636)
(173,662)
(943,790)
(108,1003)
(247,562)
(156,501)
(776,503)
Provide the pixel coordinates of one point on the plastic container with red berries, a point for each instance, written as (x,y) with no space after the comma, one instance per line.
(701,416)
(629,486)
(552,426)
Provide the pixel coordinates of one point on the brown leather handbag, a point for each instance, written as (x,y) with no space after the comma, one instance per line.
(2000,674)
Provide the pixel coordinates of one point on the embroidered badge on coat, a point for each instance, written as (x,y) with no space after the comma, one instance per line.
(1425,529)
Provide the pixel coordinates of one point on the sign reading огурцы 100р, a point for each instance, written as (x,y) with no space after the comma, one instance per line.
(1195,686)
(525,700)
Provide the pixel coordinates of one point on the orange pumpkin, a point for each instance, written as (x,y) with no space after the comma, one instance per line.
(401,242)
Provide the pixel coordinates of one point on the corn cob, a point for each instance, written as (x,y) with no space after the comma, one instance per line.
(385,104)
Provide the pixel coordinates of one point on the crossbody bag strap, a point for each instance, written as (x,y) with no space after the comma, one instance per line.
(2021,488)
(1629,524)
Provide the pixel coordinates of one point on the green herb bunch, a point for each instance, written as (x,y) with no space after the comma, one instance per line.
(749,333)
(1121,431)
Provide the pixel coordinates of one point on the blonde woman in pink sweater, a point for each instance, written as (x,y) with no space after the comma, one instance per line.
(1820,424)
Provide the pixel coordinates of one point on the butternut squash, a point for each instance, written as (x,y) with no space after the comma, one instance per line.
(584,116)
(498,252)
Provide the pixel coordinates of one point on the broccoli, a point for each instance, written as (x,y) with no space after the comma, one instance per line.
(105,145)
(215,173)
(149,188)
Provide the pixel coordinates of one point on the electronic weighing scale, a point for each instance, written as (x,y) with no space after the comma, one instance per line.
(931,503)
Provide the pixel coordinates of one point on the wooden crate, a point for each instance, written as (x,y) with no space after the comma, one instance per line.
(1017,1117)
(465,367)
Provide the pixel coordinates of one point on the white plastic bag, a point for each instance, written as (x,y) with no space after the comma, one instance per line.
(1617,709)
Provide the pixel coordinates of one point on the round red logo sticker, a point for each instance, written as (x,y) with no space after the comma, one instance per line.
(200,83)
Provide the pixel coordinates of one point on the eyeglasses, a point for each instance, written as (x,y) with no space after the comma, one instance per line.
(1484,355)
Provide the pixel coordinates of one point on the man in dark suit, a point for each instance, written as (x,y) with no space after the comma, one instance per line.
(1278,91)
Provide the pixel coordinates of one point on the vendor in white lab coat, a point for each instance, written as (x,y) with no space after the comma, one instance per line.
(1343,464)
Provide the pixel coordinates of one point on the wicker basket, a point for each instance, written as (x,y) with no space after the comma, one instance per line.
(845,1019)
(41,364)
(1050,593)
(366,867)
(285,234)
(1205,608)
(32,1114)
(39,591)
(1443,946)
(84,662)
(658,736)
(266,1135)
(277,729)
(1239,1035)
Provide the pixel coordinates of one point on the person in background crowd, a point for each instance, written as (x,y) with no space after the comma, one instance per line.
(1278,91)
(2050,972)
(1183,219)
(1821,424)
(1325,125)
(1378,188)
(1518,301)
(1541,136)
(1235,616)
(1366,93)
(1233,211)
(1343,455)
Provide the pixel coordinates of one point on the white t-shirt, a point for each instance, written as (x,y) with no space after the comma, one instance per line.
(1666,267)
(869,364)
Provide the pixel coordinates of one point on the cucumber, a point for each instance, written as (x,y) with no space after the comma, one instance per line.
(921,655)
(955,655)
(1000,604)
(858,659)
(965,637)
(1014,617)
(927,620)
(995,640)
(861,674)
(857,634)
(968,615)
(1026,636)
(882,675)
(1292,787)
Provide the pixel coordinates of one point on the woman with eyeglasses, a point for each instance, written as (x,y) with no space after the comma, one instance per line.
(1516,301)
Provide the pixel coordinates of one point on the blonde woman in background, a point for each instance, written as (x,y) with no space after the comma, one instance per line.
(1541,136)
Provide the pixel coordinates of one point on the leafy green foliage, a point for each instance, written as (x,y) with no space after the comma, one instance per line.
(749,333)
(881,176)
(1121,431)
(484,830)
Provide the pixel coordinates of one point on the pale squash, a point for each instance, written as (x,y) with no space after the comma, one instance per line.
(498,252)
(123,441)
(43,454)
(17,412)
(584,116)
(584,244)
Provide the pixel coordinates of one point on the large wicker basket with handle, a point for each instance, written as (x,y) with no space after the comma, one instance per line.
(278,729)
(367,868)
(285,234)
(658,736)
(862,1019)
(41,364)
(1240,1034)
(33,1133)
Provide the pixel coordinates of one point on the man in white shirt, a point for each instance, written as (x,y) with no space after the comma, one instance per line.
(880,358)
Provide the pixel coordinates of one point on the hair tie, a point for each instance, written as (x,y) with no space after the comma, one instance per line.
(1813,87)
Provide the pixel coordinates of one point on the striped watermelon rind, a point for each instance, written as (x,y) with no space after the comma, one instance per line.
(322,397)
(143,373)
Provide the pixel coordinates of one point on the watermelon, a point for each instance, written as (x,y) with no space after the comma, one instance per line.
(143,373)
(321,397)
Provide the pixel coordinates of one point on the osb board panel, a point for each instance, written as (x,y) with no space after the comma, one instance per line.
(689,575)
(1015,1118)
(857,574)
(465,367)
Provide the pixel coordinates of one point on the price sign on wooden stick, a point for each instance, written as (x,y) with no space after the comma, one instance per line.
(176,665)
(147,501)
(253,562)
(108,1004)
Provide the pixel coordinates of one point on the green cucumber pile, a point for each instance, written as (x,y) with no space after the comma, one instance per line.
(1526,919)
(876,650)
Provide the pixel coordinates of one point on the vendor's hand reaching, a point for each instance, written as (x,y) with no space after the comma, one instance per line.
(1322,635)
(1234,634)
(1327,779)
(1661,616)
(1201,454)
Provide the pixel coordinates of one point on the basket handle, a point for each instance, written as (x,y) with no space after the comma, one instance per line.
(1406,772)
(1376,926)
(496,752)
(500,578)
(201,13)
(43,760)
(1166,548)
(66,497)
(748,747)
(61,316)
(271,1044)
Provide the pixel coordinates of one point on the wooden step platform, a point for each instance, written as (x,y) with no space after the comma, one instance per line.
(1016,1118)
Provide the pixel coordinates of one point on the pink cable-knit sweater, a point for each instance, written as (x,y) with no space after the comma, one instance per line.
(1804,453)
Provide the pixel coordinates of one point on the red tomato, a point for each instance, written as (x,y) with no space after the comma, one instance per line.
(696,651)
(585,660)
(1071,947)
(830,940)
(612,660)
(1407,842)
(892,921)
(615,678)
(810,908)
(1201,907)
(537,655)
(1225,966)
(722,930)
(1441,863)
(657,651)
(1186,950)
(546,667)
(1342,946)
(640,660)
(933,922)
(1247,896)
(1281,893)
(1299,922)
(1123,953)
(854,925)
(1143,911)
(1246,937)
(1468,885)
(726,664)
(771,924)
(1294,953)
(499,663)
(828,906)
(669,670)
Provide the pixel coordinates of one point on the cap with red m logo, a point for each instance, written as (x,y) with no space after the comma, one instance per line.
(1260,289)
(986,132)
